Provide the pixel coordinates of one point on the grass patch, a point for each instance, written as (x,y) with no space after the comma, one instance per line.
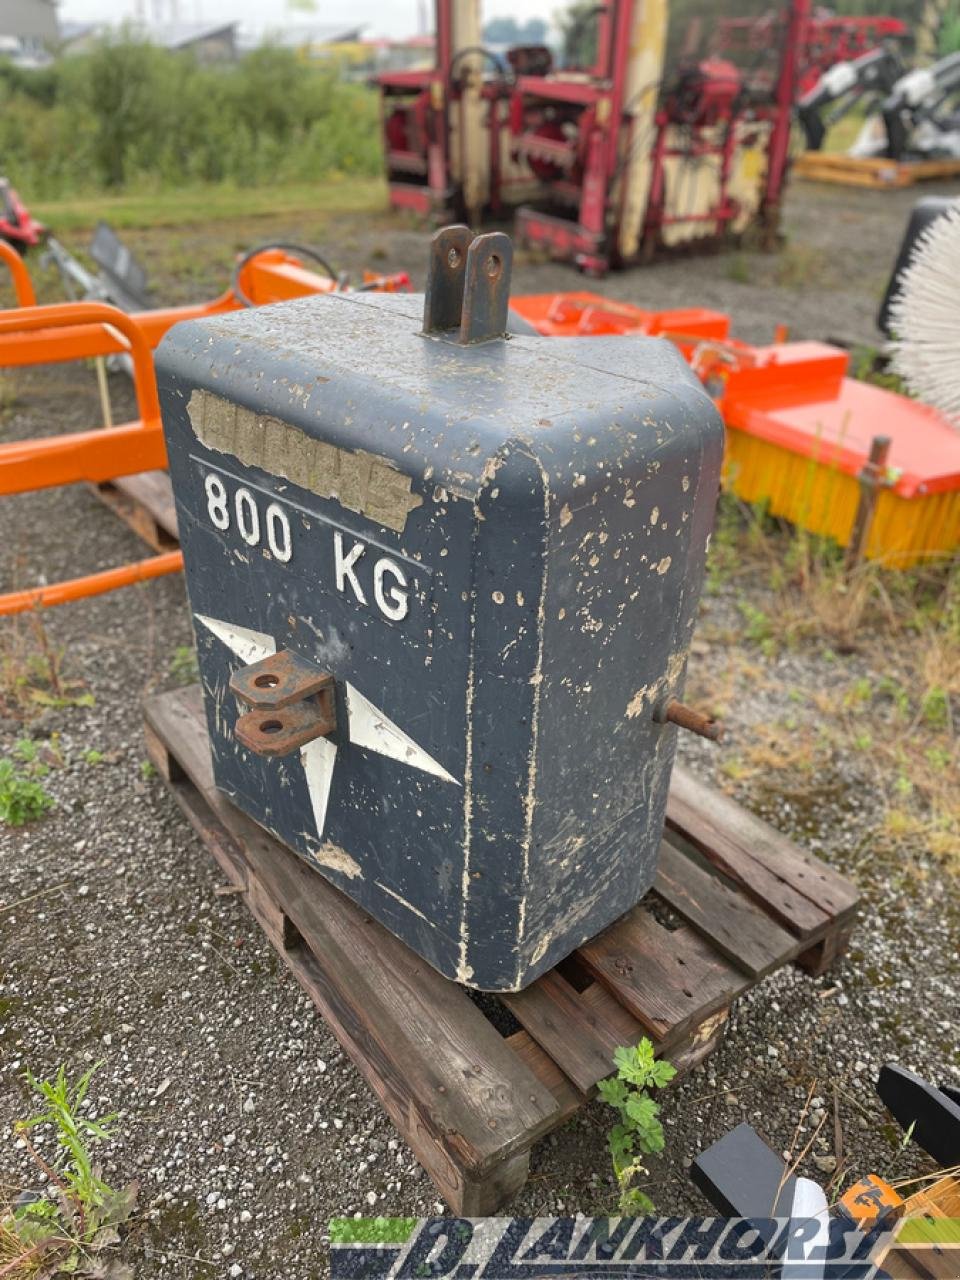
(183,665)
(792,594)
(74,1228)
(22,795)
(203,203)
(32,675)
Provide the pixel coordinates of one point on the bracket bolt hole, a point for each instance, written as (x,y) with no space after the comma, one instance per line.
(494,266)
(454,258)
(267,681)
(271,726)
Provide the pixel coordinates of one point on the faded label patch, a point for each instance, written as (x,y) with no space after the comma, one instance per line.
(337,859)
(362,482)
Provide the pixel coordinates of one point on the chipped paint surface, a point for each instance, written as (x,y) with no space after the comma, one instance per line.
(336,859)
(361,482)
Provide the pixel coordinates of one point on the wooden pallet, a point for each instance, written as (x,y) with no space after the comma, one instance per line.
(934,1254)
(145,503)
(733,901)
(880,174)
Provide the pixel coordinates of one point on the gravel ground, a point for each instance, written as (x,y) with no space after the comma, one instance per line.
(243,1121)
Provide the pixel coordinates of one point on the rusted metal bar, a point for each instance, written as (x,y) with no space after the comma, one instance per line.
(694,721)
(872,479)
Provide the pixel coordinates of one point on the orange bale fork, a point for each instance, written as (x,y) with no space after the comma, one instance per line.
(92,456)
(31,334)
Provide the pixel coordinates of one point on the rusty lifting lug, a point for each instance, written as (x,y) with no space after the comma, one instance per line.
(293,703)
(468,285)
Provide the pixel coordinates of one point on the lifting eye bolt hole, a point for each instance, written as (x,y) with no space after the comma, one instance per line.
(271,726)
(494,266)
(453,258)
(267,682)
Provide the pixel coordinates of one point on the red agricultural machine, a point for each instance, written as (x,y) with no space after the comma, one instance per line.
(829,39)
(642,136)
(17,226)
(607,157)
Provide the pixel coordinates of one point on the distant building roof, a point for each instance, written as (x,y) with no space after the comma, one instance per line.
(28,19)
(180,35)
(308,34)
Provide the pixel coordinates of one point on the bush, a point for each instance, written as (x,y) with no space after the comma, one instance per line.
(130,115)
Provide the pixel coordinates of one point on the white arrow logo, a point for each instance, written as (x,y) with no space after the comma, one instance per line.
(366,726)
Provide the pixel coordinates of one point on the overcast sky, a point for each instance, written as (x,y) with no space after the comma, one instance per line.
(381,17)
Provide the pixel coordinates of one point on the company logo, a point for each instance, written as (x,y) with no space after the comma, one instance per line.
(535,1248)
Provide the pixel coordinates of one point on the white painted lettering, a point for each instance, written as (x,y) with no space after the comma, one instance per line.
(343,565)
(394,603)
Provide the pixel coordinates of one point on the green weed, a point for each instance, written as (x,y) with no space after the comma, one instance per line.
(32,676)
(74,1229)
(759,629)
(183,665)
(935,708)
(22,797)
(639,1132)
(739,269)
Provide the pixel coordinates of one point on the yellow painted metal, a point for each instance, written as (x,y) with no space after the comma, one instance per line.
(648,44)
(470,157)
(822,499)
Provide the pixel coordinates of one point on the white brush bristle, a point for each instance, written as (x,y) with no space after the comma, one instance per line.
(926,318)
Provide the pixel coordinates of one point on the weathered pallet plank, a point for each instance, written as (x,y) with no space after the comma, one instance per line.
(469,1102)
(738,928)
(878,173)
(144,502)
(574,1034)
(463,1099)
(670,980)
(569,1098)
(801,892)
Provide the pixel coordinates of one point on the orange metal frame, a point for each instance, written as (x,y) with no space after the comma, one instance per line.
(94,456)
(31,334)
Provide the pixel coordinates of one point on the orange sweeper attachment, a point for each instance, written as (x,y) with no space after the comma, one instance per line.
(874,470)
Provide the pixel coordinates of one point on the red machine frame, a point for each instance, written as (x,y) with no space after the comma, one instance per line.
(828,40)
(588,158)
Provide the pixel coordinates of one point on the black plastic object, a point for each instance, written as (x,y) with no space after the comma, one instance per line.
(744,1178)
(126,277)
(934,1114)
(925,213)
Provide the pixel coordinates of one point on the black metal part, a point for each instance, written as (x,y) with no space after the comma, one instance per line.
(934,1115)
(446,273)
(744,1178)
(925,214)
(496,550)
(125,277)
